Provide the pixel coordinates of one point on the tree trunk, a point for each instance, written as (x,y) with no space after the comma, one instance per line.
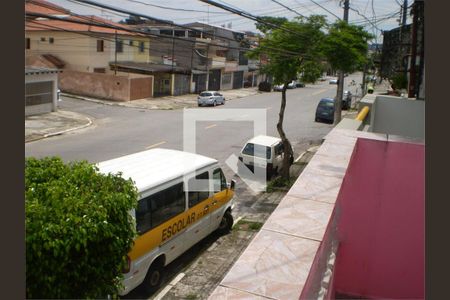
(338,101)
(288,155)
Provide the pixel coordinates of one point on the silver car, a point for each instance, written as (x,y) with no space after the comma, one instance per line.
(210,98)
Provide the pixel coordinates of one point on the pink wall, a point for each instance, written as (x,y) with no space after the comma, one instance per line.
(381,222)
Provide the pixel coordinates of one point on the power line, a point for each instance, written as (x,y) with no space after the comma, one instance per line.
(175,9)
(288,8)
(325,9)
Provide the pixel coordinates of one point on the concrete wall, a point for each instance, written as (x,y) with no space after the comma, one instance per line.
(394,115)
(106,86)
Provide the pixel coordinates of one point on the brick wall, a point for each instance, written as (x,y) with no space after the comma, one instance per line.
(106,86)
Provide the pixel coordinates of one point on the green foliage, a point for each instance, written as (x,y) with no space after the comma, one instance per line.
(302,41)
(279,183)
(399,81)
(311,71)
(278,21)
(345,46)
(78,229)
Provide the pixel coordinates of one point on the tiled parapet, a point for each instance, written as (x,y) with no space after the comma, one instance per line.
(290,256)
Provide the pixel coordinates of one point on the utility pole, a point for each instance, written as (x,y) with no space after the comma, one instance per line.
(405,8)
(115,53)
(412,65)
(207,67)
(340,88)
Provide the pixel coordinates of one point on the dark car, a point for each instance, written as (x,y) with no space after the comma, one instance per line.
(325,110)
(300,84)
(346,100)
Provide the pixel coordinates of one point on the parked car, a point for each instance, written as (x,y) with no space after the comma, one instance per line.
(278,87)
(299,84)
(334,81)
(210,98)
(325,110)
(292,84)
(346,100)
(264,152)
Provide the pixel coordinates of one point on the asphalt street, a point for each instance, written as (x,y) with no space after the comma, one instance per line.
(118,131)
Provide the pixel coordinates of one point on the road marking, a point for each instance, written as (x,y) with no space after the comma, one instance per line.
(169,286)
(210,126)
(318,92)
(155,145)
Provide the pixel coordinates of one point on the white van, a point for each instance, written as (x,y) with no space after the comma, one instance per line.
(171,216)
(263,152)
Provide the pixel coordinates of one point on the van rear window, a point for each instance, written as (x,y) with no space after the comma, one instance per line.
(256,150)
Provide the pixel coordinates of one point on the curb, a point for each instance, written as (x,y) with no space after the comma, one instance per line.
(89,123)
(107,102)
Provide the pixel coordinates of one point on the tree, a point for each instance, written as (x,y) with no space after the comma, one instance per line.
(300,40)
(345,48)
(265,26)
(78,229)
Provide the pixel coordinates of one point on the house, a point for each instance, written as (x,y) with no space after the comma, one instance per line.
(71,42)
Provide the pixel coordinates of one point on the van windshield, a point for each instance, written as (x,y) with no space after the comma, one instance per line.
(256,150)
(205,94)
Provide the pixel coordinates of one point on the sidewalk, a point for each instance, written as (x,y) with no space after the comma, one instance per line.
(170,102)
(54,123)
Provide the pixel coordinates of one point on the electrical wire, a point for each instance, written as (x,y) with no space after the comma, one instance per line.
(288,8)
(325,9)
(176,9)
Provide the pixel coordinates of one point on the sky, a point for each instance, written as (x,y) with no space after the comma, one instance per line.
(384,14)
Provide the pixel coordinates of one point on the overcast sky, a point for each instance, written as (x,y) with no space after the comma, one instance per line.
(383,13)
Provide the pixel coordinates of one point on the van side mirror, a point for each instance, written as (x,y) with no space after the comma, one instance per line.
(232,184)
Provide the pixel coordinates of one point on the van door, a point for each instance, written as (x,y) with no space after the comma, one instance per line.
(199,202)
(278,156)
(219,199)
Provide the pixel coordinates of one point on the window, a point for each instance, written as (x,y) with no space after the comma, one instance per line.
(166,32)
(257,150)
(278,149)
(219,181)
(160,207)
(27,43)
(100,45)
(141,47)
(131,42)
(198,193)
(196,34)
(205,94)
(180,33)
(99,70)
(51,40)
(119,46)
(43,39)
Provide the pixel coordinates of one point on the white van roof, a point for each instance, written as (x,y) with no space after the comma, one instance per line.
(153,167)
(264,140)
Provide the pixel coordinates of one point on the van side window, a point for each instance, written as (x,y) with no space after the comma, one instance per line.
(278,149)
(198,193)
(160,207)
(219,181)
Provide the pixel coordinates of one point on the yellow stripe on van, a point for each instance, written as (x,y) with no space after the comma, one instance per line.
(166,231)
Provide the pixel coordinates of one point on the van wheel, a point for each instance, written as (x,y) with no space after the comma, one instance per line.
(226,223)
(154,277)
(215,103)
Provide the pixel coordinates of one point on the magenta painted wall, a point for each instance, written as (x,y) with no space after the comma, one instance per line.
(381,222)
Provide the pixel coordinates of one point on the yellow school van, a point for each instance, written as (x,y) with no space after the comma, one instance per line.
(183,197)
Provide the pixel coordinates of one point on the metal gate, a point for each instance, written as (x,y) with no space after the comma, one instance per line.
(238,78)
(200,82)
(214,80)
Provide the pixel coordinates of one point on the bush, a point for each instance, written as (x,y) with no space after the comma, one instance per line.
(78,229)
(265,86)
